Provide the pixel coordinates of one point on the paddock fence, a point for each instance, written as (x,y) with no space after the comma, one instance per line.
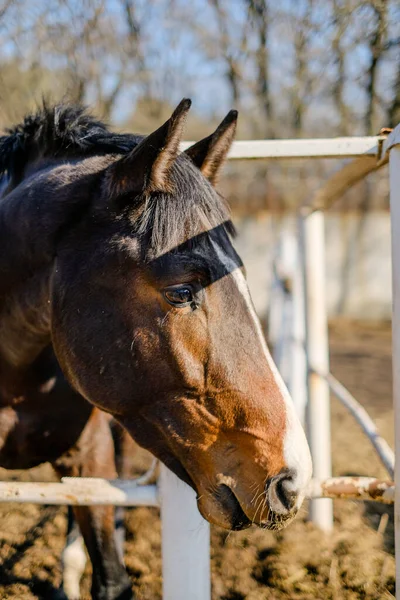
(299,332)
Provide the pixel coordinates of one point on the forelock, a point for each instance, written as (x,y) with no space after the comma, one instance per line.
(194,206)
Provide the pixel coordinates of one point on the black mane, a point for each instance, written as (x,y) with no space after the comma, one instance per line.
(60,131)
(71,132)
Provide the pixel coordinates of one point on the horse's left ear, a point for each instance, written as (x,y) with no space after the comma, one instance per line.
(210,153)
(147,167)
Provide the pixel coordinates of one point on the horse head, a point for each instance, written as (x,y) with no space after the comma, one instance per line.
(153,322)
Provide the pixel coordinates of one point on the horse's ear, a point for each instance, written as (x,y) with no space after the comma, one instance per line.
(147,167)
(209,154)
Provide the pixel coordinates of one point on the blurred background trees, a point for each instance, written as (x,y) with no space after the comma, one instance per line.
(294,68)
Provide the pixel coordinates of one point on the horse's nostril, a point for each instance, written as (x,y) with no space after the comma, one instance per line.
(282,495)
(286,496)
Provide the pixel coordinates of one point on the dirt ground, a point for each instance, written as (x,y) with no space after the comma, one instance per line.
(354,562)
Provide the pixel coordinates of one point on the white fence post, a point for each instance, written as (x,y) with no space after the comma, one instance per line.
(299,377)
(312,240)
(277,306)
(281,304)
(185,542)
(286,327)
(394,169)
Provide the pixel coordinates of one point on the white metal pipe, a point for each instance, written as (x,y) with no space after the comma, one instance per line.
(312,148)
(299,375)
(281,314)
(394,171)
(312,240)
(185,542)
(80,491)
(276,310)
(381,446)
(281,349)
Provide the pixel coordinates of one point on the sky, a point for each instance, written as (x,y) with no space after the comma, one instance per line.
(180,39)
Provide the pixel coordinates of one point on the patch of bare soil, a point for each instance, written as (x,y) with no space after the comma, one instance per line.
(354,562)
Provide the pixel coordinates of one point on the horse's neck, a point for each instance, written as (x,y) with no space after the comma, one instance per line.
(25,321)
(29,219)
(26,233)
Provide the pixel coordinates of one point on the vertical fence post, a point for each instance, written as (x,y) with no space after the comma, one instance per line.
(312,256)
(276,311)
(286,325)
(298,377)
(394,174)
(185,542)
(281,304)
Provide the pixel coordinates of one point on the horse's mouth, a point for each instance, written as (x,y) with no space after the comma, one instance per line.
(228,512)
(231,506)
(276,522)
(225,500)
(239,519)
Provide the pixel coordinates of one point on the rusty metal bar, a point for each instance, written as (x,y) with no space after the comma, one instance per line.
(353,488)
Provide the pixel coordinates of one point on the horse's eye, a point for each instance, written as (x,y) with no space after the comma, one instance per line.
(179,296)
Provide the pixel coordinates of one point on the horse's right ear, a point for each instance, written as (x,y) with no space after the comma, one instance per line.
(210,153)
(147,167)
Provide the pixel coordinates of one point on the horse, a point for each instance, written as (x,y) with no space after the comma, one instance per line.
(121,294)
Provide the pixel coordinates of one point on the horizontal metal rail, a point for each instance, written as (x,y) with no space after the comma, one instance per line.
(350,147)
(80,491)
(353,488)
(342,180)
(381,446)
(83,491)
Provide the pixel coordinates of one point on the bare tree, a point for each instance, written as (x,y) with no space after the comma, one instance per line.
(259,15)
(377,48)
(302,80)
(393,113)
(229,50)
(4,6)
(341,19)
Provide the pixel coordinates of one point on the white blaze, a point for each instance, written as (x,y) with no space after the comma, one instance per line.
(296,450)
